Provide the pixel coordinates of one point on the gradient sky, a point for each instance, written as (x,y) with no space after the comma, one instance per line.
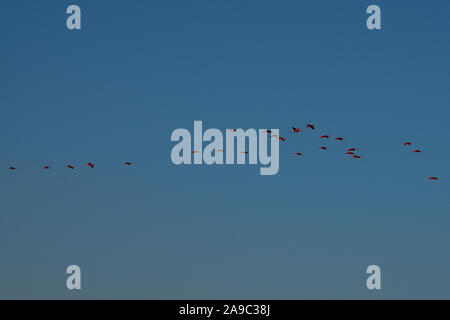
(115,91)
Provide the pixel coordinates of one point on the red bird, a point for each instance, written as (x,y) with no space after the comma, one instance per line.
(433,178)
(298,153)
(90,164)
(296,129)
(244,152)
(128,163)
(310,126)
(417,151)
(349,152)
(351,149)
(406,143)
(356,157)
(323,148)
(325,137)
(12,168)
(46,168)
(70,167)
(339,139)
(282,139)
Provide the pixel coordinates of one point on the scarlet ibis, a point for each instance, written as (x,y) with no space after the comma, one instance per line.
(433,178)
(46,168)
(356,157)
(244,152)
(12,168)
(298,153)
(90,164)
(351,149)
(349,152)
(323,148)
(339,139)
(417,151)
(282,139)
(296,130)
(310,126)
(325,137)
(128,163)
(70,167)
(406,143)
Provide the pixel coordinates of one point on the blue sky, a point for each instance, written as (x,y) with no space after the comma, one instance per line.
(115,91)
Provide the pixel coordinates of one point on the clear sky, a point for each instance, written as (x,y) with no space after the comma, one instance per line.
(137,70)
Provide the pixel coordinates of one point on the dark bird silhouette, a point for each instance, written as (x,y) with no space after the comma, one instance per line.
(433,178)
(323,148)
(356,157)
(298,153)
(339,139)
(70,167)
(406,143)
(351,149)
(296,130)
(128,163)
(417,151)
(310,126)
(325,137)
(90,164)
(12,168)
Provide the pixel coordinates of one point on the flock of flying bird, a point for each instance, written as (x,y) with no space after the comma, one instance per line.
(69,166)
(349,151)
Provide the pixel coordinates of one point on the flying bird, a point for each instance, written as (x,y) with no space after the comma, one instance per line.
(310,126)
(323,148)
(282,139)
(128,163)
(46,168)
(90,164)
(12,168)
(244,152)
(417,151)
(351,149)
(339,139)
(296,129)
(433,178)
(356,157)
(70,167)
(349,152)
(406,143)
(298,153)
(325,137)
